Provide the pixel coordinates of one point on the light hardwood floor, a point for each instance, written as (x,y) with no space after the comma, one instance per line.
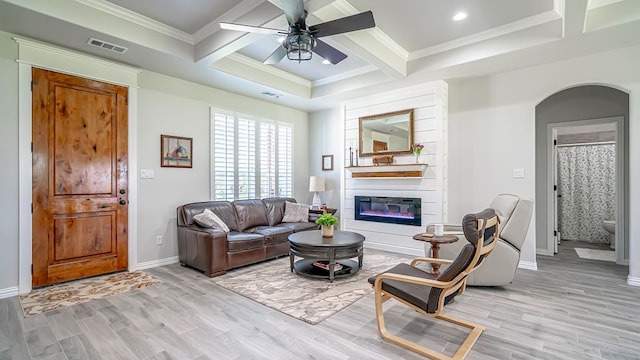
(570,308)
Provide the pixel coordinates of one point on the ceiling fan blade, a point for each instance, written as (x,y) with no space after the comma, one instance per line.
(346,24)
(294,11)
(276,56)
(251,29)
(328,52)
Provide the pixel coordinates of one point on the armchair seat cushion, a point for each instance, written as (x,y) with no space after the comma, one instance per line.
(238,241)
(413,293)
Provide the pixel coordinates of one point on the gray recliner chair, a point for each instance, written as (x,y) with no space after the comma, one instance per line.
(500,269)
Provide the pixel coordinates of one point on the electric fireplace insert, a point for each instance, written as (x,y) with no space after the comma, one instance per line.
(393,210)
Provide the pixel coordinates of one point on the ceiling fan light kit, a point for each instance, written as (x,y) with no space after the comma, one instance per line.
(299,46)
(301,41)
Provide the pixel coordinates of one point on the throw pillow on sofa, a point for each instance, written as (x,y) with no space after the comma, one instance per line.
(294,212)
(208,219)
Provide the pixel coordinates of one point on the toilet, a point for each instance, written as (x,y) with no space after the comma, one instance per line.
(610,227)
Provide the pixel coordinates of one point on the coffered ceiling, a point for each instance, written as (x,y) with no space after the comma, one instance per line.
(413,41)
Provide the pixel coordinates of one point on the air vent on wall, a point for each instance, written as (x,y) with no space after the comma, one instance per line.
(107,45)
(271,94)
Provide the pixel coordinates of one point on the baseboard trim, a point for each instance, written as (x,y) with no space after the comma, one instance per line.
(528,265)
(9,292)
(633,281)
(156,263)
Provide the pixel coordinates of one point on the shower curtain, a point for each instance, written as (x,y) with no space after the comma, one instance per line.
(587,185)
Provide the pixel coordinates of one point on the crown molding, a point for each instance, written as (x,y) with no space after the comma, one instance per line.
(532,21)
(138,19)
(344,75)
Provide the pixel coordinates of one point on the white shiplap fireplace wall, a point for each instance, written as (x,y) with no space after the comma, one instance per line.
(429,102)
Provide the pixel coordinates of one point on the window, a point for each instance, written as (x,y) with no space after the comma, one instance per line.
(250,158)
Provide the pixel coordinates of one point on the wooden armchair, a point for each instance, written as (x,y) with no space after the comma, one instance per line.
(428,294)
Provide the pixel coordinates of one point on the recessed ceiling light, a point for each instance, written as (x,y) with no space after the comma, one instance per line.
(460,16)
(326,62)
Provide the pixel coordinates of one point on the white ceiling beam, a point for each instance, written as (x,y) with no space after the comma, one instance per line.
(574,13)
(604,14)
(225,42)
(247,68)
(372,45)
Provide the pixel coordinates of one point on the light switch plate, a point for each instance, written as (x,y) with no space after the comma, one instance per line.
(518,173)
(146,174)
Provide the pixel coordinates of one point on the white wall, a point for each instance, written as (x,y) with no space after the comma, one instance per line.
(175,107)
(9,175)
(325,138)
(164,105)
(429,103)
(491,132)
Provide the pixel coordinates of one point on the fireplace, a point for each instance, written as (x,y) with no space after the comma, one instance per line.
(393,210)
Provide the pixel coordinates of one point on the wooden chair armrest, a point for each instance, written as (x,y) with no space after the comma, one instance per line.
(430,260)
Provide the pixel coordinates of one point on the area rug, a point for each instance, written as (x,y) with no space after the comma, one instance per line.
(80,291)
(595,254)
(310,300)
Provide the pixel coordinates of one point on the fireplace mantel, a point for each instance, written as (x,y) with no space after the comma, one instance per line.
(387,171)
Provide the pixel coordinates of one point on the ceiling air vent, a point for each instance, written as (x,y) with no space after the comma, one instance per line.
(107,45)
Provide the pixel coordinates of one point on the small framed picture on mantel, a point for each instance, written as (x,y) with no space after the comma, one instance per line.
(176,151)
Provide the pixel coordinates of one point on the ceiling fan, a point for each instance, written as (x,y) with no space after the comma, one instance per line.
(300,41)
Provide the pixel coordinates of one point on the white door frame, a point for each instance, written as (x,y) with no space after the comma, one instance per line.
(620,193)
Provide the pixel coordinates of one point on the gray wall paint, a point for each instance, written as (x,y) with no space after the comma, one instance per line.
(9,149)
(570,105)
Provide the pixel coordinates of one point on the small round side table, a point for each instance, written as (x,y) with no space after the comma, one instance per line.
(435,242)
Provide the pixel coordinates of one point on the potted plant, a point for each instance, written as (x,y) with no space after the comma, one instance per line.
(327,222)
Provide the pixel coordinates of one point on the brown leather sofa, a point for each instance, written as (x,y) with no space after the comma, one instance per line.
(257,233)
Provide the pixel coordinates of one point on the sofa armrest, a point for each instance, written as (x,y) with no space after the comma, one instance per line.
(203,249)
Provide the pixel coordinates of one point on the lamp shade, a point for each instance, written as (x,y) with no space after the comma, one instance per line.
(316,183)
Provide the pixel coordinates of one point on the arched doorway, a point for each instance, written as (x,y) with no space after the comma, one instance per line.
(577,106)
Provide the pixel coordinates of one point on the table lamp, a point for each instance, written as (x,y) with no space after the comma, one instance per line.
(316,184)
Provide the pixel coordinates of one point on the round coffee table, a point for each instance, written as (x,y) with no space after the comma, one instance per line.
(324,252)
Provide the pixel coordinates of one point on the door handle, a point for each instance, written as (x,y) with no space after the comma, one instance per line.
(122,202)
(123,191)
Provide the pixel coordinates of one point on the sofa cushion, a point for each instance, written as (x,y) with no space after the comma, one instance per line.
(301,226)
(238,241)
(250,213)
(275,209)
(272,234)
(208,219)
(294,212)
(223,209)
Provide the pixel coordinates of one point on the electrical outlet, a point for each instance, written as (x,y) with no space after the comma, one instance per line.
(159,240)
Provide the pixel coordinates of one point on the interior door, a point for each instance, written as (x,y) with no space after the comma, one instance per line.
(80,172)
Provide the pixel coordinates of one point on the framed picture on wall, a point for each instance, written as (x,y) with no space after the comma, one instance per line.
(327,162)
(176,151)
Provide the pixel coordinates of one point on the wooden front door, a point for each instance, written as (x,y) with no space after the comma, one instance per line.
(80,169)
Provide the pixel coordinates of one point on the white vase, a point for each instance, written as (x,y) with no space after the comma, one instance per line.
(327,230)
(417,157)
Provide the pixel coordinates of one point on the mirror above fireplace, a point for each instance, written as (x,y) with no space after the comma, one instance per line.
(388,133)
